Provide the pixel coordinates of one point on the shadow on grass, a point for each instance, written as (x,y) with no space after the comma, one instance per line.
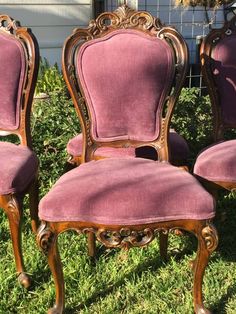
(220,306)
(226,227)
(152,265)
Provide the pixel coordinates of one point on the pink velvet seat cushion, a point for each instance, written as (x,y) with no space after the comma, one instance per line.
(217,163)
(179,150)
(126,191)
(18,166)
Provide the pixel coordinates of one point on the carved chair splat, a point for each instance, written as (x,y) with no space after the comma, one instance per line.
(126,202)
(19,60)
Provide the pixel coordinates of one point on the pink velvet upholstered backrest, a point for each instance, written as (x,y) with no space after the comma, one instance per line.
(224,71)
(125,76)
(12,69)
(124,73)
(19,62)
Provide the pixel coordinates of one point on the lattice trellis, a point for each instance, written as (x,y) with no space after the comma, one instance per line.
(193,23)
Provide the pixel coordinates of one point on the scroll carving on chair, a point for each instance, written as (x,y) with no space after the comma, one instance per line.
(215,165)
(19,58)
(124,73)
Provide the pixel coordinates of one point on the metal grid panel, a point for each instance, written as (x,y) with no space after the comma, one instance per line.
(193,24)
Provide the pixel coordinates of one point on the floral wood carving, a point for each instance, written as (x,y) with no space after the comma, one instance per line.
(125,237)
(45,237)
(8,24)
(13,208)
(210,237)
(123,17)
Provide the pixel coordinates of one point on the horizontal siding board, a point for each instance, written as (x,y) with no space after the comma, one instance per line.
(49,15)
(53,37)
(51,21)
(53,55)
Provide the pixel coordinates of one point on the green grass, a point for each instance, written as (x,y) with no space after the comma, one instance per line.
(134,282)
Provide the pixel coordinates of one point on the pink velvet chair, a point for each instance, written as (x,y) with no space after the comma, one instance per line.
(19,58)
(124,73)
(215,165)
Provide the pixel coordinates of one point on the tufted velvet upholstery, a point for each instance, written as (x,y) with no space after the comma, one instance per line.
(179,150)
(126,191)
(224,67)
(12,69)
(126,90)
(217,163)
(18,167)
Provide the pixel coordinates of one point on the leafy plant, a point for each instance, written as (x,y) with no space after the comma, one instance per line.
(50,78)
(53,123)
(192,119)
(205,3)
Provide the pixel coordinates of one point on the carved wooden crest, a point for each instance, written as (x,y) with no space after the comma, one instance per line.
(8,24)
(123,17)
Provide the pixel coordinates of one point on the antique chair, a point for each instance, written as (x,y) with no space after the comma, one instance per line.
(215,165)
(19,57)
(124,73)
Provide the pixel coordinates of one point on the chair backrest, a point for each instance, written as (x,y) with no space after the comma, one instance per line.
(218,58)
(124,73)
(19,61)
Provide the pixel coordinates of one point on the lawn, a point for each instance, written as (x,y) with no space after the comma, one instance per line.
(134,281)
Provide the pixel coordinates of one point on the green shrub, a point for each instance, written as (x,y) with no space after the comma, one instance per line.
(54,122)
(50,78)
(192,119)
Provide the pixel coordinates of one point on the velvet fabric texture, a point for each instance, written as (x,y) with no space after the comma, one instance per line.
(18,167)
(217,163)
(12,69)
(224,69)
(126,191)
(125,76)
(179,150)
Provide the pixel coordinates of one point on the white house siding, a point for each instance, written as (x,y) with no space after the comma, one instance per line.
(50,20)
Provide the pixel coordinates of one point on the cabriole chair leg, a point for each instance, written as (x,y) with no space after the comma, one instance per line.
(163,244)
(13,210)
(47,241)
(33,203)
(207,243)
(91,244)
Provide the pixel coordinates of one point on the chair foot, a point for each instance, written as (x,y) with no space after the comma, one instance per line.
(24,280)
(55,310)
(202,310)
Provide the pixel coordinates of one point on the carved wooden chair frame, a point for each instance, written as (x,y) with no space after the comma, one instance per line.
(12,203)
(118,235)
(219,126)
(125,18)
